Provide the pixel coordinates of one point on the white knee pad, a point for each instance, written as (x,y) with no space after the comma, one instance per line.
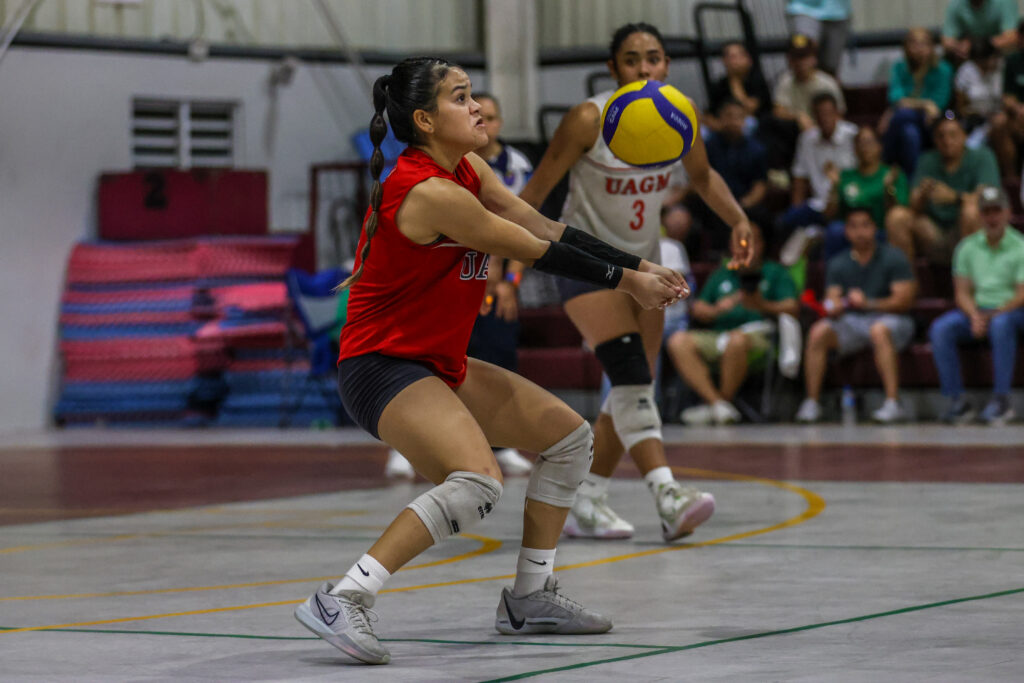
(460,501)
(634,413)
(560,470)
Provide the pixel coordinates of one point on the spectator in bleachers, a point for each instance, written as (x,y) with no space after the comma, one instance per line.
(823,151)
(740,159)
(991,20)
(1007,134)
(736,305)
(742,83)
(797,87)
(919,91)
(869,289)
(979,90)
(881,189)
(825,21)
(988,276)
(944,195)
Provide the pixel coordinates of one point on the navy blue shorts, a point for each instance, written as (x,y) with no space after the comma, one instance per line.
(570,289)
(367,384)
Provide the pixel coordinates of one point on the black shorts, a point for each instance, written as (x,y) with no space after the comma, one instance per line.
(367,384)
(570,289)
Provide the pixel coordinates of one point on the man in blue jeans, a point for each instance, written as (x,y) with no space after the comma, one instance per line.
(988,276)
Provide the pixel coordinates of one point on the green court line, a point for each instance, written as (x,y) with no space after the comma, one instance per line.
(811,546)
(435,641)
(753,636)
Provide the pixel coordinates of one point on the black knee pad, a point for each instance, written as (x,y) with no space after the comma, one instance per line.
(624,360)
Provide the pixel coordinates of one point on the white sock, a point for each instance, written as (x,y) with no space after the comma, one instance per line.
(367,576)
(594,485)
(532,570)
(657,478)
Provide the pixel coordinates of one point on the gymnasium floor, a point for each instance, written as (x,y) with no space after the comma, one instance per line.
(836,554)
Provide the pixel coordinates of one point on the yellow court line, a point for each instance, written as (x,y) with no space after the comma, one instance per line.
(815,506)
(487,545)
(193,529)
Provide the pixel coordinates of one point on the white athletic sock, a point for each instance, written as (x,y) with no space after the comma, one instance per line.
(594,485)
(657,478)
(532,570)
(367,575)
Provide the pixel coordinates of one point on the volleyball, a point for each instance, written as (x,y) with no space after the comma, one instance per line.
(648,124)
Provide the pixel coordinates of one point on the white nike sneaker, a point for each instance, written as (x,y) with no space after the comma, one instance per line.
(593,518)
(398,467)
(697,415)
(809,411)
(343,620)
(725,413)
(512,462)
(546,611)
(890,412)
(682,509)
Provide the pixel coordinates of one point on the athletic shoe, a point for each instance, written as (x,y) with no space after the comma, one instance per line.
(725,413)
(546,611)
(697,415)
(593,518)
(997,412)
(958,412)
(798,243)
(398,467)
(890,412)
(809,411)
(682,509)
(343,620)
(512,462)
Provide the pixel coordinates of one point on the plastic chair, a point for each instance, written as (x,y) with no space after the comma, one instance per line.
(391,148)
(321,313)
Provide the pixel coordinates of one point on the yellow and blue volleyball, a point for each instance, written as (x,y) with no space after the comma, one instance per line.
(648,124)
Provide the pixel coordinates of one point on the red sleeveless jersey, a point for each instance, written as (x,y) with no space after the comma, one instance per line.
(416,301)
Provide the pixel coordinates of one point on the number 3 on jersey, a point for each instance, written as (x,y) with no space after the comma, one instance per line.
(638,219)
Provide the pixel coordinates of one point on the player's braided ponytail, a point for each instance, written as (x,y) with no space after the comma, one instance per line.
(378,131)
(411,85)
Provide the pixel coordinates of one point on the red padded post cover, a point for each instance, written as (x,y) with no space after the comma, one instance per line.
(168,203)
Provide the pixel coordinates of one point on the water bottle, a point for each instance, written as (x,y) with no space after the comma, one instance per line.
(848,405)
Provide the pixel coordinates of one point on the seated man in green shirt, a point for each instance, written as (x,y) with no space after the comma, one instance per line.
(944,198)
(868,290)
(988,277)
(736,306)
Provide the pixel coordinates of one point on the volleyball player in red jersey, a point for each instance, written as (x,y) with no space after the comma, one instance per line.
(403,374)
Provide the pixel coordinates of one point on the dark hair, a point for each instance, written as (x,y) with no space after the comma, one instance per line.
(730,43)
(860,209)
(411,85)
(728,102)
(625,31)
(981,48)
(824,96)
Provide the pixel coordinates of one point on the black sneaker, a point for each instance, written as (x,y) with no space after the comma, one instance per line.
(959,412)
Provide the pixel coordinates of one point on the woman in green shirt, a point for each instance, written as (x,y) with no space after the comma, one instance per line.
(880,188)
(919,90)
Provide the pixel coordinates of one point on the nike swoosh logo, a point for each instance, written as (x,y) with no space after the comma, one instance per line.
(365,573)
(328,615)
(516,623)
(536,562)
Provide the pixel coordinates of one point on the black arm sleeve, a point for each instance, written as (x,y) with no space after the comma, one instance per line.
(599,248)
(568,261)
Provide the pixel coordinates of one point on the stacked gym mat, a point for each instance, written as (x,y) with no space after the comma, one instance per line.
(182,333)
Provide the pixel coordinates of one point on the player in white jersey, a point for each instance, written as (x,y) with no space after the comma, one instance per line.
(620,204)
